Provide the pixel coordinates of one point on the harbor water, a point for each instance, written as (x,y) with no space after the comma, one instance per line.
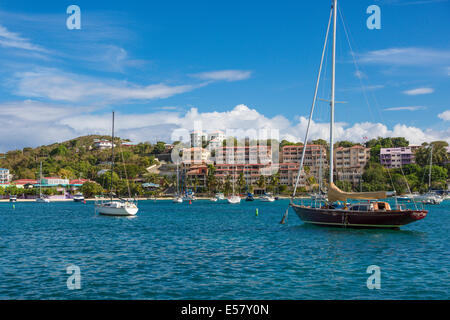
(207,250)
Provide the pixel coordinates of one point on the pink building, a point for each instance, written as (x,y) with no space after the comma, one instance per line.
(397,157)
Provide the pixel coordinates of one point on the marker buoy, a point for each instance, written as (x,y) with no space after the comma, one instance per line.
(190,202)
(256,211)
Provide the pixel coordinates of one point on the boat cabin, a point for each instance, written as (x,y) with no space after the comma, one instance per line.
(370,206)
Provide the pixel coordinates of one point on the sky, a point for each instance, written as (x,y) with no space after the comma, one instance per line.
(167,67)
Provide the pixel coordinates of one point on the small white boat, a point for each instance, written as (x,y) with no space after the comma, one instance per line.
(12,198)
(429,198)
(42,199)
(214,199)
(267,198)
(234,199)
(122,207)
(78,197)
(117,208)
(177,199)
(220,196)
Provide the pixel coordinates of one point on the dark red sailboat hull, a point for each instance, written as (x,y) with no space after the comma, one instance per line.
(392,219)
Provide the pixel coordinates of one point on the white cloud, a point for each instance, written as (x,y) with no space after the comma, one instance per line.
(409,56)
(445,115)
(32,123)
(411,108)
(414,92)
(227,75)
(14,40)
(60,86)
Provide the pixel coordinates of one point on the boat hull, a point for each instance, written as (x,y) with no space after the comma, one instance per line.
(111,211)
(393,219)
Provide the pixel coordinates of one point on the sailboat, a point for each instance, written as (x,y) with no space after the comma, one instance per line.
(177,198)
(41,198)
(122,207)
(429,197)
(234,199)
(366,214)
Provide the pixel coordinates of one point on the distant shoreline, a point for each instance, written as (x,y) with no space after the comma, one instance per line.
(138,199)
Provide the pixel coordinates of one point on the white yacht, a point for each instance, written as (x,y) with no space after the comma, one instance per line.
(121,207)
(41,198)
(177,198)
(78,197)
(234,199)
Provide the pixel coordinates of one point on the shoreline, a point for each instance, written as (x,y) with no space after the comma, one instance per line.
(138,199)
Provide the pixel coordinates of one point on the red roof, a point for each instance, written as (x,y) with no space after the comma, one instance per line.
(24,181)
(79,181)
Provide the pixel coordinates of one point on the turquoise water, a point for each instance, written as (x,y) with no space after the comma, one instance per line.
(214,251)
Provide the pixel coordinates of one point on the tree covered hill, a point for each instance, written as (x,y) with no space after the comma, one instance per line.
(77,158)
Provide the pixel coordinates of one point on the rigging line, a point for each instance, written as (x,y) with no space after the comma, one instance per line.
(125,169)
(312,108)
(407,185)
(356,65)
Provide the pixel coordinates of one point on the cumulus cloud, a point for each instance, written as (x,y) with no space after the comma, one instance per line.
(226,75)
(445,115)
(414,92)
(39,123)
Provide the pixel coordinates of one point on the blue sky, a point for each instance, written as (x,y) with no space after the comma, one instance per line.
(162,65)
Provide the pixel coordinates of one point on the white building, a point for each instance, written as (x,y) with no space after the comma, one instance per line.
(195,155)
(5,177)
(197,138)
(54,181)
(103,144)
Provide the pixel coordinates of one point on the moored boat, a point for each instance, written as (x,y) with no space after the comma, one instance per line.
(367,214)
(122,207)
(78,197)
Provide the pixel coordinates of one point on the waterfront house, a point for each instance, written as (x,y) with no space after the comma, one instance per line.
(5,176)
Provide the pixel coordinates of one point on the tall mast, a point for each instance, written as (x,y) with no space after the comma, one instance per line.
(40,179)
(431,164)
(112,155)
(178,187)
(332,90)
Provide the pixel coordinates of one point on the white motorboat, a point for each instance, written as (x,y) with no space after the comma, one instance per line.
(234,199)
(429,198)
(214,199)
(78,197)
(267,198)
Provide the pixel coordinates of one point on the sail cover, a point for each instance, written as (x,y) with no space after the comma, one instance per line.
(336,194)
